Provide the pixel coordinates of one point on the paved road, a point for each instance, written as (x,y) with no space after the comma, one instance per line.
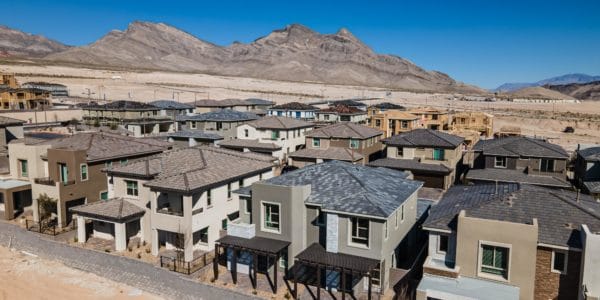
(120,269)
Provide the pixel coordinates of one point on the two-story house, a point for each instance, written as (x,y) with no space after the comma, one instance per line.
(587,170)
(394,122)
(432,118)
(10,129)
(278,136)
(223,122)
(72,167)
(254,105)
(172,108)
(340,113)
(519,159)
(185,196)
(431,156)
(139,118)
(344,141)
(481,122)
(512,241)
(383,107)
(294,110)
(332,220)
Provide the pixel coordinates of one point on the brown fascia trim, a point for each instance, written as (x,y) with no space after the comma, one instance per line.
(124,156)
(129,175)
(205,187)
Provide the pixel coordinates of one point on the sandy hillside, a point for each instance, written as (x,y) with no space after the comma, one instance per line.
(54,280)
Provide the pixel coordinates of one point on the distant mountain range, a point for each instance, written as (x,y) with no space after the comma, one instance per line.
(18,43)
(559,80)
(294,53)
(581,91)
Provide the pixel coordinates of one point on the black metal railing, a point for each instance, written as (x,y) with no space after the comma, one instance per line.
(44,181)
(185,267)
(49,227)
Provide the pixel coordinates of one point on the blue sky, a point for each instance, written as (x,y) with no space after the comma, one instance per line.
(479,42)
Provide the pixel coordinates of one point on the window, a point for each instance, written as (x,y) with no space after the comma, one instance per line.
(203,235)
(123,161)
(316,142)
(385,230)
(354,144)
(271,216)
(359,231)
(209,198)
(434,117)
(193,125)
(400,152)
(396,217)
(219,125)
(376,276)
(229,190)
(241,183)
(246,134)
(494,260)
(132,188)
(438,154)
(274,134)
(546,165)
(404,124)
(326,117)
(500,162)
(84,172)
(224,224)
(63,172)
(377,123)
(248,206)
(559,262)
(23,166)
(402,213)
(103,195)
(443,243)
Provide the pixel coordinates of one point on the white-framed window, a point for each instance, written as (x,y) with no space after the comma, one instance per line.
(132,188)
(23,169)
(546,165)
(442,246)
(271,217)
(500,162)
(559,262)
(201,236)
(316,142)
(400,152)
(193,125)
(359,232)
(494,261)
(83,171)
(246,134)
(354,144)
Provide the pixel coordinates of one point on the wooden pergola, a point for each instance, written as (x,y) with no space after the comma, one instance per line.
(257,246)
(317,257)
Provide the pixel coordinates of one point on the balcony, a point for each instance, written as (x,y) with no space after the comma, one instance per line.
(45,181)
(440,267)
(167,210)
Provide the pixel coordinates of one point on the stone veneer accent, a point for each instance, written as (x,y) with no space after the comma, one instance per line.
(550,285)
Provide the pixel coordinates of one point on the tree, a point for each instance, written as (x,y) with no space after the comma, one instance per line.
(46,206)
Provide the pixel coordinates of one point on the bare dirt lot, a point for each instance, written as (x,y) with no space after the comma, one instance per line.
(539,119)
(29,277)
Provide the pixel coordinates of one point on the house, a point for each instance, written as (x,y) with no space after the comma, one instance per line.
(519,159)
(587,170)
(393,122)
(191,138)
(294,110)
(178,200)
(431,156)
(350,103)
(279,136)
(223,122)
(254,105)
(432,118)
(15,97)
(473,121)
(172,108)
(55,89)
(139,118)
(332,225)
(383,107)
(340,113)
(512,241)
(69,169)
(344,141)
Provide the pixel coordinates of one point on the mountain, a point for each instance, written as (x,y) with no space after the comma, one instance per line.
(538,92)
(21,44)
(294,53)
(581,91)
(558,80)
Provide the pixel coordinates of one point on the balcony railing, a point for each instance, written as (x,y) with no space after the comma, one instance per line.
(169,211)
(44,181)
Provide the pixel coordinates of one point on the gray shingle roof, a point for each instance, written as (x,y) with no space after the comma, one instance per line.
(410,165)
(6,121)
(250,144)
(388,105)
(105,146)
(223,115)
(170,104)
(114,210)
(519,146)
(256,101)
(557,211)
(354,189)
(294,106)
(592,186)
(197,134)
(425,138)
(275,122)
(516,176)
(590,154)
(345,130)
(336,153)
(190,169)
(121,105)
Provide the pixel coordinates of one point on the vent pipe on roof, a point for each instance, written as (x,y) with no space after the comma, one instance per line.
(577,199)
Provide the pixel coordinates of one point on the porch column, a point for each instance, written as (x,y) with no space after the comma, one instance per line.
(36,210)
(81,238)
(154,242)
(254,269)
(120,237)
(275,273)
(216,262)
(188,250)
(234,266)
(343,284)
(369,295)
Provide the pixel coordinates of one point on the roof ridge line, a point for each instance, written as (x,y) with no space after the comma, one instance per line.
(544,144)
(576,205)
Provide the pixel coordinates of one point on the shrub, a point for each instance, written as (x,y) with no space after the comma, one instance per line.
(148,250)
(75,240)
(107,250)
(139,255)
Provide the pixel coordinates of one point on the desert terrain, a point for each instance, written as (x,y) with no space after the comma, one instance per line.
(535,119)
(54,280)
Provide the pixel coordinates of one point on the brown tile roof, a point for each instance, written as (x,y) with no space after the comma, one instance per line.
(250,144)
(104,146)
(345,130)
(428,110)
(190,169)
(343,110)
(274,122)
(113,210)
(336,153)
